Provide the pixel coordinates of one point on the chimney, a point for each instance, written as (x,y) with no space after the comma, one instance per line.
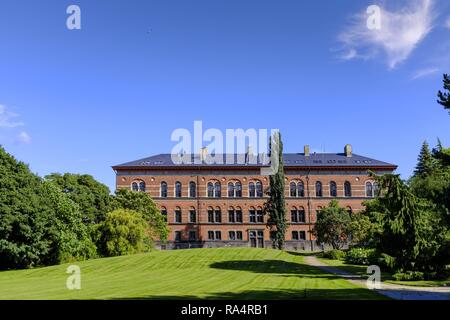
(348,150)
(306,150)
(203,154)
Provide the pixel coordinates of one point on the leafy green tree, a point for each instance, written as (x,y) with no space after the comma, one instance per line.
(275,207)
(444,97)
(38,224)
(91,196)
(425,162)
(123,232)
(332,225)
(361,229)
(411,230)
(142,203)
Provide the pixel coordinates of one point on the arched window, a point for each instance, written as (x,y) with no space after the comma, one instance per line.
(210,190)
(238,189)
(376,189)
(259,189)
(230,190)
(178,189)
(319,192)
(178,215)
(333,189)
(163,192)
(369,189)
(347,189)
(251,190)
(217,190)
(300,189)
(192,189)
(350,211)
(164,213)
(134,186)
(294,215)
(293,189)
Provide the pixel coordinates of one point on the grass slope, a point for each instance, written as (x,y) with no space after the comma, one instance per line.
(225,273)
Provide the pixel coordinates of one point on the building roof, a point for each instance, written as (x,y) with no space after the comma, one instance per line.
(319,160)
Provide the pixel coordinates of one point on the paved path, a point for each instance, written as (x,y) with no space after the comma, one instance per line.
(394,291)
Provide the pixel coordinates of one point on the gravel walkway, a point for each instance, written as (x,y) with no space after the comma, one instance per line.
(398,292)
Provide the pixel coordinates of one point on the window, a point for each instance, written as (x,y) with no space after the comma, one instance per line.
(259,190)
(210,235)
(293,189)
(192,189)
(238,235)
(333,189)
(238,189)
(218,216)
(210,215)
(259,216)
(214,190)
(301,215)
(230,190)
(251,190)
(218,235)
(252,213)
(302,235)
(138,186)
(298,216)
(232,235)
(347,189)
(178,189)
(231,215)
(350,211)
(300,189)
(297,189)
(210,190)
(164,213)
(192,235)
(177,235)
(217,190)
(294,235)
(238,215)
(134,186)
(192,216)
(163,190)
(319,192)
(178,217)
(376,189)
(369,189)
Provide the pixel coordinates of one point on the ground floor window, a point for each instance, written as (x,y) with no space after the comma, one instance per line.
(235,235)
(214,235)
(177,235)
(192,235)
(298,235)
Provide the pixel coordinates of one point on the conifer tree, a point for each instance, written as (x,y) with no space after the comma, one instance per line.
(275,206)
(425,161)
(444,97)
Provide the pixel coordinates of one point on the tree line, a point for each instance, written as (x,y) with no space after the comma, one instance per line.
(62,218)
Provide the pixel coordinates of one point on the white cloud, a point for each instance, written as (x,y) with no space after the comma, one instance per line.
(24,138)
(422,73)
(401,32)
(7,118)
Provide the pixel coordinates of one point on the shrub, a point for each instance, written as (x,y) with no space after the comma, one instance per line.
(334,254)
(409,276)
(387,262)
(123,232)
(361,256)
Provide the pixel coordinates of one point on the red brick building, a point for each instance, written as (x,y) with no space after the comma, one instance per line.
(210,205)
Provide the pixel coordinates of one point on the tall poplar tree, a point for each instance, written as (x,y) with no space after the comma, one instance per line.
(275,206)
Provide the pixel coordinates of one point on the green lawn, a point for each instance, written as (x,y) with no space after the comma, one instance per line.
(385,277)
(224,273)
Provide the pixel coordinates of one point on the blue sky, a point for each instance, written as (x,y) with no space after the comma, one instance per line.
(83,100)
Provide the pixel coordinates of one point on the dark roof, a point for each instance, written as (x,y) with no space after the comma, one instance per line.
(290,160)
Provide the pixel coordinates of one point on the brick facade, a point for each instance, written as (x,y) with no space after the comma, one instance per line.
(197,232)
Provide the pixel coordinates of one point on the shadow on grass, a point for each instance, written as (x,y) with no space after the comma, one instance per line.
(284,294)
